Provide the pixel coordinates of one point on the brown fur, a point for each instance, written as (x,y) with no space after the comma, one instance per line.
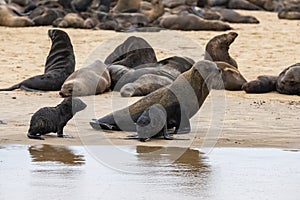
(9,18)
(126,5)
(189,22)
(217,48)
(90,80)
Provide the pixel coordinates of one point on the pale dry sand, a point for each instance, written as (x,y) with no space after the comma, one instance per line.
(234,119)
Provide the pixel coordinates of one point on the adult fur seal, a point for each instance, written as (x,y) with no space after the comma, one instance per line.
(288,81)
(180,100)
(134,51)
(54,119)
(232,78)
(217,48)
(262,84)
(59,65)
(191,22)
(90,80)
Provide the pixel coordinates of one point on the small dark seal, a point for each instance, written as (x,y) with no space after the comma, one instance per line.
(262,84)
(54,119)
(217,48)
(59,65)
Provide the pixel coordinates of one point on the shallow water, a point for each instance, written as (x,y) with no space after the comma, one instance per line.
(128,172)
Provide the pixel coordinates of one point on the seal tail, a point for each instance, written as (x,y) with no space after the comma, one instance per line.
(17,86)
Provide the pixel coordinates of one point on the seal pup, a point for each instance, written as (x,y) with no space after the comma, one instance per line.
(232,78)
(191,22)
(91,80)
(54,119)
(217,48)
(59,65)
(180,100)
(262,84)
(242,4)
(134,51)
(288,81)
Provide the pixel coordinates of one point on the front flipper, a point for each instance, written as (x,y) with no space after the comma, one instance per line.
(103,126)
(35,136)
(184,127)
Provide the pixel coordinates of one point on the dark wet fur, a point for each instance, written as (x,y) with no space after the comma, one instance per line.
(53,119)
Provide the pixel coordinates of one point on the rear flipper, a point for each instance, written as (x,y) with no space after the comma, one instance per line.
(35,136)
(14,87)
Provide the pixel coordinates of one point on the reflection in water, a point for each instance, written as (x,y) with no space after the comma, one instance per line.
(184,168)
(50,153)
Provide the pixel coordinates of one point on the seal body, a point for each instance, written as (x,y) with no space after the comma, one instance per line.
(91,80)
(126,6)
(54,119)
(59,65)
(9,18)
(145,85)
(191,22)
(217,48)
(134,51)
(180,100)
(232,78)
(170,67)
(288,81)
(262,84)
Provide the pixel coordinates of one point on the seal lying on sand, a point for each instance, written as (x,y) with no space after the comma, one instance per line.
(232,78)
(54,119)
(170,67)
(288,81)
(217,48)
(59,65)
(180,101)
(191,22)
(90,80)
(9,18)
(262,84)
(126,6)
(134,51)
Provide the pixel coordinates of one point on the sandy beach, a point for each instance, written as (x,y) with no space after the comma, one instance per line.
(227,119)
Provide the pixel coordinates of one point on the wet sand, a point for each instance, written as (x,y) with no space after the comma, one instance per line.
(244,120)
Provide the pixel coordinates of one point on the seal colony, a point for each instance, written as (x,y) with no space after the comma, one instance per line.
(179,101)
(175,87)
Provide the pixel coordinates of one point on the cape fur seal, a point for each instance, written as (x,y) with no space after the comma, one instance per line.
(180,101)
(217,48)
(170,67)
(59,65)
(191,22)
(145,85)
(232,78)
(134,51)
(126,6)
(10,19)
(91,80)
(153,10)
(54,119)
(262,84)
(288,81)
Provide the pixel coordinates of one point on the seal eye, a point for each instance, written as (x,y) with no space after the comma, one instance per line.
(70,90)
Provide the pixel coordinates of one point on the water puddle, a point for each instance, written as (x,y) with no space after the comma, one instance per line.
(129,172)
